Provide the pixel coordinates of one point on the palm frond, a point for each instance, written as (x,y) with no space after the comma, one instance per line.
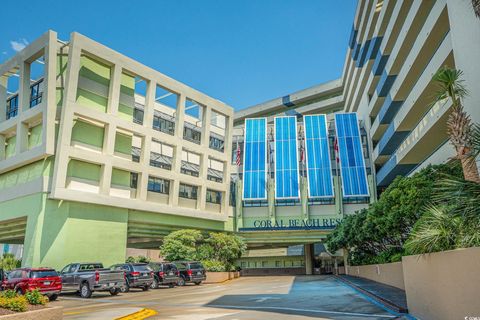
(476,7)
(464,195)
(450,84)
(437,230)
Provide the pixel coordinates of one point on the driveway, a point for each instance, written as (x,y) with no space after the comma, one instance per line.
(277,298)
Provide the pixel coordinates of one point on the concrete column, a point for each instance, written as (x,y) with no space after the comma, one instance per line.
(308,259)
(24,88)
(238,204)
(206,118)
(106,179)
(3,98)
(142,186)
(2,147)
(114,90)
(149,103)
(22,138)
(50,88)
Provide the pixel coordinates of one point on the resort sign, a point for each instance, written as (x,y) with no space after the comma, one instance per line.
(293,224)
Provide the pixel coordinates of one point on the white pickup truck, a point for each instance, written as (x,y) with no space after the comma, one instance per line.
(85,278)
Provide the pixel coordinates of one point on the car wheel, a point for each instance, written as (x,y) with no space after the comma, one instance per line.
(114,291)
(125,288)
(145,288)
(53,297)
(181,281)
(154,284)
(171,285)
(85,291)
(19,291)
(197,283)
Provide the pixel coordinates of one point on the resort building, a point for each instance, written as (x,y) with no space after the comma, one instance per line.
(102,153)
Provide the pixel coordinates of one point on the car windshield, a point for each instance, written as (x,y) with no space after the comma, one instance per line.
(43,274)
(196,265)
(141,267)
(91,266)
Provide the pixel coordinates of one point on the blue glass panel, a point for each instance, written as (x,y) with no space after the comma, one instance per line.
(286,158)
(255,160)
(352,163)
(319,171)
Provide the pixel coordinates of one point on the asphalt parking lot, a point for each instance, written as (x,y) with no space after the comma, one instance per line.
(285,297)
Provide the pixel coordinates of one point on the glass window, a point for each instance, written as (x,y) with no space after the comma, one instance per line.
(160,161)
(216,142)
(188,191)
(158,185)
(43,274)
(12,107)
(35,94)
(138,115)
(214,196)
(193,135)
(163,122)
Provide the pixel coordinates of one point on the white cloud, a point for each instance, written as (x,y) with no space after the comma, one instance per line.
(19,45)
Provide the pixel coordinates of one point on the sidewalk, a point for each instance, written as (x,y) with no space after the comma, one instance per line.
(392,297)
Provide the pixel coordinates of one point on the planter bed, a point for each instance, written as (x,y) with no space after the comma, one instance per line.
(34,312)
(218,277)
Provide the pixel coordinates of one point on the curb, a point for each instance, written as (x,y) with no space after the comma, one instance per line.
(387,303)
(139,315)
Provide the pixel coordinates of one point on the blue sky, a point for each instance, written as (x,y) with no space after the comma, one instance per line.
(241,52)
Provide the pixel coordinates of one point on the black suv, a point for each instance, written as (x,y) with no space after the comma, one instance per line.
(164,273)
(137,275)
(190,271)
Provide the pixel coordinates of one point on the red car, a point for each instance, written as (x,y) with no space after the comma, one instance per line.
(46,280)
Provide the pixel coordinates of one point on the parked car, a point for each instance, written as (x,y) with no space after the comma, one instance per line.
(137,275)
(190,272)
(86,278)
(164,274)
(46,280)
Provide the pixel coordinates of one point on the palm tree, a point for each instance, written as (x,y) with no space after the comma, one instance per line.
(459,125)
(476,7)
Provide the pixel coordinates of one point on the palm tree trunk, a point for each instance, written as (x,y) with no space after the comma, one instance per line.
(469,165)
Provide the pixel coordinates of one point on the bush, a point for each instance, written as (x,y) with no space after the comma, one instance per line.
(17,304)
(9,262)
(137,259)
(9,294)
(214,266)
(34,297)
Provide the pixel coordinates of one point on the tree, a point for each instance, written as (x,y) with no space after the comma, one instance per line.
(378,234)
(9,262)
(459,126)
(225,247)
(181,245)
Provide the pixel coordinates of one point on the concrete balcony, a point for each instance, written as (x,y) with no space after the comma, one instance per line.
(427,137)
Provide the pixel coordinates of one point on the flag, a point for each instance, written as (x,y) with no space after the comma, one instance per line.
(238,155)
(335,147)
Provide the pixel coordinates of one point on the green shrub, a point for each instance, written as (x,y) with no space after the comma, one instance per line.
(9,294)
(214,266)
(17,304)
(34,297)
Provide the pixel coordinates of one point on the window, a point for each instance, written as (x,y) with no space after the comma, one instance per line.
(189,168)
(12,107)
(214,175)
(216,142)
(136,154)
(264,264)
(163,122)
(188,191)
(158,185)
(133,180)
(160,161)
(192,134)
(214,196)
(278,264)
(35,94)
(138,116)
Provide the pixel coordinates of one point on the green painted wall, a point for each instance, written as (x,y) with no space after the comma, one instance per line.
(26,174)
(127,87)
(98,72)
(35,137)
(123,143)
(61,232)
(120,177)
(83,170)
(88,133)
(10,146)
